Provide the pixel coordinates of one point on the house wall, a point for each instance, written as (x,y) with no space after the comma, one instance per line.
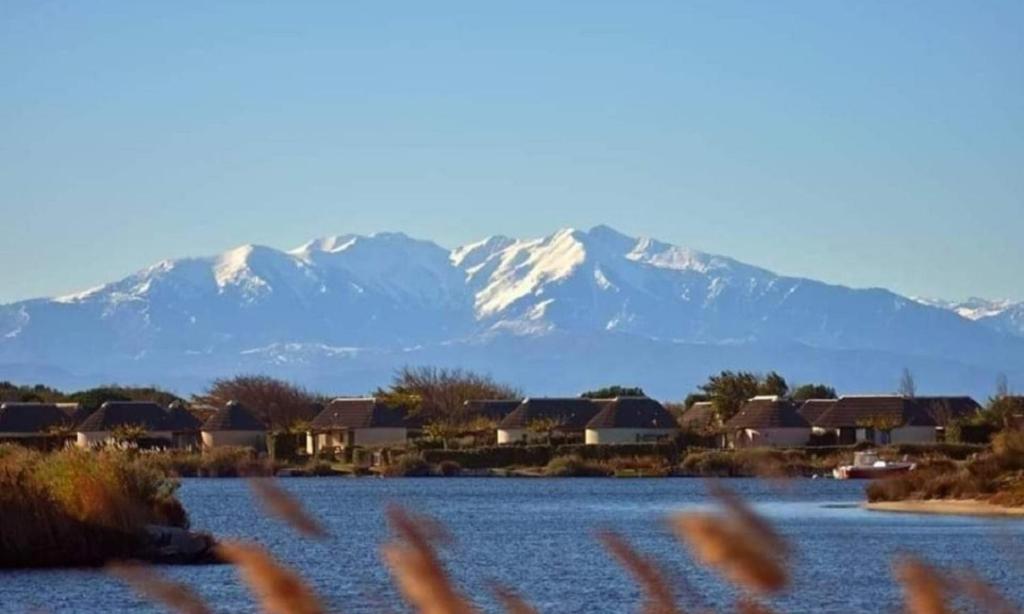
(247,439)
(613,436)
(781,437)
(92,438)
(380,437)
(914,434)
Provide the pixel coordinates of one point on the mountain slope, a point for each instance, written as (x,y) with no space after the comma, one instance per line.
(345,310)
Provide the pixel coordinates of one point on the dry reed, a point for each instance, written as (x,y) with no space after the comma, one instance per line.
(279,589)
(280,503)
(659,598)
(737,542)
(173,595)
(511,601)
(416,569)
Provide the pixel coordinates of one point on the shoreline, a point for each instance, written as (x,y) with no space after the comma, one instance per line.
(951,507)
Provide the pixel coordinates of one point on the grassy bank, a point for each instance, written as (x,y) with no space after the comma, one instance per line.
(79,508)
(995,476)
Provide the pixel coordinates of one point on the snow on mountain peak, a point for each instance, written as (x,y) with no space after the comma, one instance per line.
(525,267)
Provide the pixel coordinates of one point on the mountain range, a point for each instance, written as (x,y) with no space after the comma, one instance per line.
(554,315)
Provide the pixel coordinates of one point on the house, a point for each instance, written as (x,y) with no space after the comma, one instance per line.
(767,421)
(491,409)
(886,419)
(99,428)
(698,417)
(184,426)
(630,420)
(32,420)
(234,425)
(350,422)
(812,409)
(537,419)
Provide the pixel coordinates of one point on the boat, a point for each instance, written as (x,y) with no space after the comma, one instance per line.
(867,466)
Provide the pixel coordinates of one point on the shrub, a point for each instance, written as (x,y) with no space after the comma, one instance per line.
(79,508)
(408,466)
(449,468)
(574,466)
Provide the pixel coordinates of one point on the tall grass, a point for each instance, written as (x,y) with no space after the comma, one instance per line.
(994,475)
(76,507)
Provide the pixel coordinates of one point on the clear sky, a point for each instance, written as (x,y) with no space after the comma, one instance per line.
(863,143)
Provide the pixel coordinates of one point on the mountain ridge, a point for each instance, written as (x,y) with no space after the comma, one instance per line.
(364,304)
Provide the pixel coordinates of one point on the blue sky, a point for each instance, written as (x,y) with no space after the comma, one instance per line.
(866,143)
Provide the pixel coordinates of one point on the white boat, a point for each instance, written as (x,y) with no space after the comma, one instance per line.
(867,466)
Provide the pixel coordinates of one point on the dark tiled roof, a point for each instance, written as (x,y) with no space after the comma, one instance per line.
(182,420)
(632,413)
(853,411)
(361,413)
(494,409)
(113,414)
(233,417)
(699,415)
(812,409)
(574,413)
(31,417)
(767,413)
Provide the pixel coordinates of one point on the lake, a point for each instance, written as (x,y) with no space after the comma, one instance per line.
(536,536)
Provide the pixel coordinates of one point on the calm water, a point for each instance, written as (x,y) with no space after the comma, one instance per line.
(536,535)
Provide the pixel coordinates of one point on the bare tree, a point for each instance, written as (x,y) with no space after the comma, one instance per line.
(1002,386)
(278,404)
(907,387)
(440,394)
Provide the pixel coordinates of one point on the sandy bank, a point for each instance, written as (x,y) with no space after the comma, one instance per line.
(966,507)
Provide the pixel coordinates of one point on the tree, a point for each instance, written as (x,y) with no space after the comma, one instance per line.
(907,387)
(440,393)
(773,384)
(1002,411)
(694,398)
(1002,386)
(277,403)
(442,430)
(92,398)
(813,391)
(610,392)
(729,390)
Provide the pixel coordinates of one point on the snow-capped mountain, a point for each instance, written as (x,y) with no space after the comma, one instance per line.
(553,314)
(1001,315)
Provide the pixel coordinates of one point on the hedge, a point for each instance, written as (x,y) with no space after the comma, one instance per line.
(541,455)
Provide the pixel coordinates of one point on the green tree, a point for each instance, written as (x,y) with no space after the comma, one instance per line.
(813,391)
(694,398)
(610,392)
(729,390)
(773,384)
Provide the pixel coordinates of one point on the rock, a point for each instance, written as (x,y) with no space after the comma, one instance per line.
(175,546)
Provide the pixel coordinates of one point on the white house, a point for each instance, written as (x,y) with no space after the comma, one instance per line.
(767,421)
(538,419)
(884,419)
(350,422)
(234,425)
(100,426)
(29,420)
(630,420)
